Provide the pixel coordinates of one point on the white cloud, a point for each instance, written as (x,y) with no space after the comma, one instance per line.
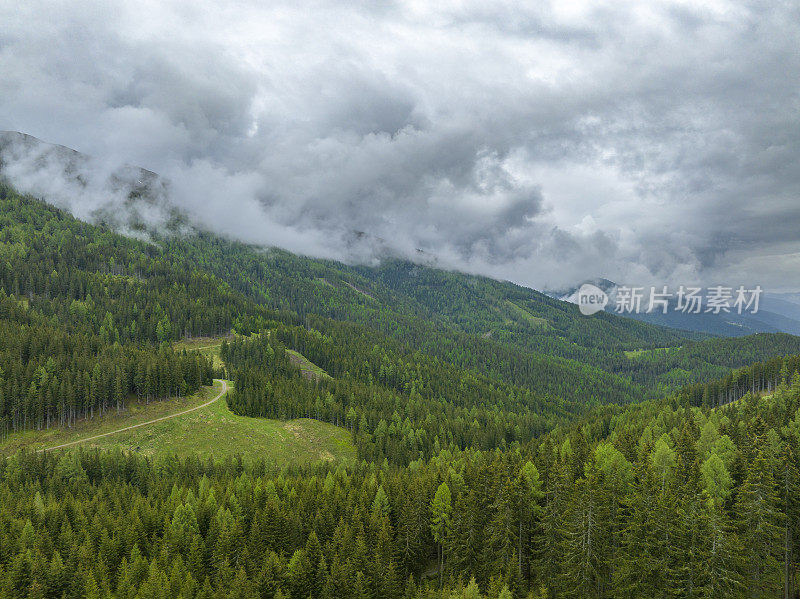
(543,143)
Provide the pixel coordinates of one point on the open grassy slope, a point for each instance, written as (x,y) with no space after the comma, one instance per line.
(210,431)
(218,432)
(309,369)
(208,346)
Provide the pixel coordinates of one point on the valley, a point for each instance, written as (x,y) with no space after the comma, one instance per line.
(399,300)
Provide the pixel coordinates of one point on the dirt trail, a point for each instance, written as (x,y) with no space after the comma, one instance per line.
(361,291)
(127,428)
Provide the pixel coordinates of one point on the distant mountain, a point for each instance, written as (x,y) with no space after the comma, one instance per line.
(129,198)
(784,304)
(791,298)
(777,313)
(571,295)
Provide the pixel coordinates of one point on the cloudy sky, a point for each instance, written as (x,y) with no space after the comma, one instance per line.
(646,142)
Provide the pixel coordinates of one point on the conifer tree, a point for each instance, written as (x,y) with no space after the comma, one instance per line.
(441,513)
(760,528)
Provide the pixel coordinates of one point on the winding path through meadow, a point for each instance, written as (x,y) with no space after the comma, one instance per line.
(127,428)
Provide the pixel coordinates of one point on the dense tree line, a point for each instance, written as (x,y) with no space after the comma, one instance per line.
(666,370)
(658,499)
(400,405)
(86,317)
(85,276)
(504,331)
(49,377)
(758,379)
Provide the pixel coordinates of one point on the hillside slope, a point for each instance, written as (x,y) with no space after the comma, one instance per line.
(511,334)
(502,330)
(691,501)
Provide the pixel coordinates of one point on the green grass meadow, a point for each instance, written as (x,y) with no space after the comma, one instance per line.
(212,431)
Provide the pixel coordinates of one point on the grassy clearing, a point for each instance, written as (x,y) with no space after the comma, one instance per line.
(525,316)
(217,432)
(309,369)
(199,343)
(208,346)
(212,431)
(638,353)
(134,413)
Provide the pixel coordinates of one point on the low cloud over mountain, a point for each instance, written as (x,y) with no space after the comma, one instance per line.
(655,142)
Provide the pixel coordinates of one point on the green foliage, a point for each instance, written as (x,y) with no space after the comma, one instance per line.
(716,479)
(499,329)
(120,525)
(490,422)
(664,459)
(372,381)
(380,505)
(441,509)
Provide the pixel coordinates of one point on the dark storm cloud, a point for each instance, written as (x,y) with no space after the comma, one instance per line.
(546,143)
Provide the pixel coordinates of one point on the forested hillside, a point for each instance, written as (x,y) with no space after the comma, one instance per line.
(658,499)
(82,313)
(279,307)
(105,304)
(497,328)
(89,313)
(399,404)
(309,287)
(507,447)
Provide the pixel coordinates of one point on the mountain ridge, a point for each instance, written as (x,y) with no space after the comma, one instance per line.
(774,315)
(503,330)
